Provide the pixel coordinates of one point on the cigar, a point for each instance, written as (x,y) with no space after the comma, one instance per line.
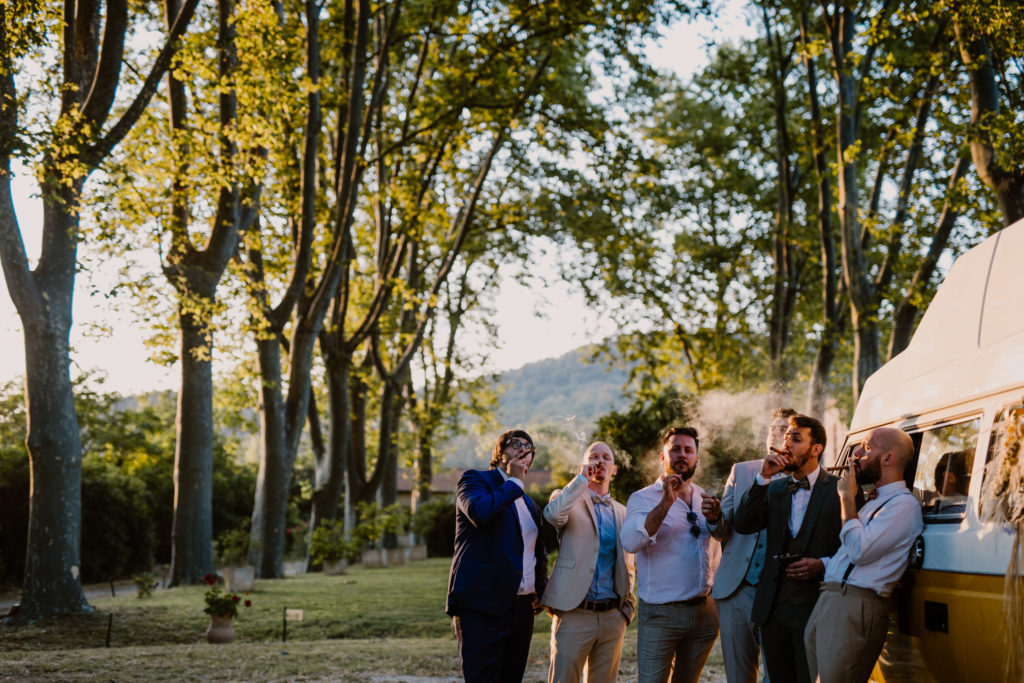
(776,450)
(836,468)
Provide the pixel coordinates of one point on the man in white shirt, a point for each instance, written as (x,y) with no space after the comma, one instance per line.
(676,560)
(847,628)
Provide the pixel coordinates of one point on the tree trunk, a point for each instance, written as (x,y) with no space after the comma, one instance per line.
(855,270)
(52,565)
(192,531)
(1006,181)
(77,144)
(266,549)
(821,370)
(330,467)
(905,314)
(817,397)
(425,468)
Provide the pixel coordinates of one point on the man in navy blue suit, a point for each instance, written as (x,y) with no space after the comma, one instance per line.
(500,565)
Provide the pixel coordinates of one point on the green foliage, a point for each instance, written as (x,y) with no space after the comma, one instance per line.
(376,521)
(434,523)
(118,536)
(145,582)
(232,548)
(633,437)
(329,543)
(127,481)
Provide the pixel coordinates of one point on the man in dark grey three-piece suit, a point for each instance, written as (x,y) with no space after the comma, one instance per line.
(801,516)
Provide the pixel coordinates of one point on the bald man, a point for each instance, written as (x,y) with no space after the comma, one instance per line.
(590,592)
(848,626)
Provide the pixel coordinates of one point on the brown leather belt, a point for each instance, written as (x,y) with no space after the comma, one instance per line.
(690,602)
(599,605)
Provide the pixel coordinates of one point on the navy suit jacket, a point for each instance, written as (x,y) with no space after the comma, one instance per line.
(768,507)
(488,563)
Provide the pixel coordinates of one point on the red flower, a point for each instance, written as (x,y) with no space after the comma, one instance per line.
(209,579)
(248,603)
(235,598)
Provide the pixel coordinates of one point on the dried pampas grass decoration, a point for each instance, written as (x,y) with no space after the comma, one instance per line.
(1002,502)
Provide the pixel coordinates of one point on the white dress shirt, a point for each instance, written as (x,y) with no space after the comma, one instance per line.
(878,540)
(801,498)
(530,533)
(672,564)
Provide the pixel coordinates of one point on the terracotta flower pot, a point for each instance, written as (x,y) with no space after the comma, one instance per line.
(221,629)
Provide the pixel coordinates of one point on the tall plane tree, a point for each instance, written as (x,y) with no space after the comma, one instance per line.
(85,126)
(194,272)
(884,149)
(989,36)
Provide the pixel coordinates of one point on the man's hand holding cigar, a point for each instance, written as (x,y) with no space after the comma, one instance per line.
(774,462)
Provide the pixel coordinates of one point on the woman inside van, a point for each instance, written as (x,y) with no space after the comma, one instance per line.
(951,482)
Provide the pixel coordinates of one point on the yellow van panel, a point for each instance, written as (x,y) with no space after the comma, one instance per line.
(973,649)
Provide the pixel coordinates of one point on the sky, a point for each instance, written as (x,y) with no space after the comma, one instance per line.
(551,321)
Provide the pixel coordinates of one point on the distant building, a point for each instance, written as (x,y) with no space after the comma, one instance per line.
(446,482)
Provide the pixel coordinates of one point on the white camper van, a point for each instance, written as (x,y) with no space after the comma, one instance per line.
(954,390)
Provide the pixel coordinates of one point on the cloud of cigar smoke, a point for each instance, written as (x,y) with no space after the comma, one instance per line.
(732,428)
(563,443)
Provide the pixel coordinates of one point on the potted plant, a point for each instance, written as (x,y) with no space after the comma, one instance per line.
(232,554)
(222,606)
(329,546)
(376,523)
(145,582)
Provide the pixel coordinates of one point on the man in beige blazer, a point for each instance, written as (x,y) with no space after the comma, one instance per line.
(590,591)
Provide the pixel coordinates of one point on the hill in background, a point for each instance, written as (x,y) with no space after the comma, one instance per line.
(558,400)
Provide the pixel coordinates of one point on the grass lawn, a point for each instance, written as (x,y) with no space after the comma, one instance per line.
(367,625)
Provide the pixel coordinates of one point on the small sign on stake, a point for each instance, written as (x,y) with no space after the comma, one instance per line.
(289,615)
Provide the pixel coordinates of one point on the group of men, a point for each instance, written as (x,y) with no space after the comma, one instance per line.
(791,565)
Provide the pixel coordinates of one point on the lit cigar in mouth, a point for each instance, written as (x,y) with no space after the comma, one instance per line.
(834,468)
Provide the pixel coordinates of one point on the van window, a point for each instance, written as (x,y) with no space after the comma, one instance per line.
(999,432)
(942,478)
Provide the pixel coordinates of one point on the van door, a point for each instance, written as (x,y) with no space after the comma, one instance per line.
(932,623)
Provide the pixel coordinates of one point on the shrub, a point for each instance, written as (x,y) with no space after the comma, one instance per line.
(328,543)
(375,522)
(117,527)
(434,523)
(232,548)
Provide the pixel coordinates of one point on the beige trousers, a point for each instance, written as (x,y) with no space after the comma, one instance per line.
(845,634)
(586,645)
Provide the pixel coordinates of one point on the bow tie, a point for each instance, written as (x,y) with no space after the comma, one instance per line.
(601,500)
(794,484)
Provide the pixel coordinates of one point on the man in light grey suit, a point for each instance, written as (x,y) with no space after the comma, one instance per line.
(742,561)
(590,592)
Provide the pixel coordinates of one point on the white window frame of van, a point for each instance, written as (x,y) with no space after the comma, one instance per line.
(975,415)
(915,428)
